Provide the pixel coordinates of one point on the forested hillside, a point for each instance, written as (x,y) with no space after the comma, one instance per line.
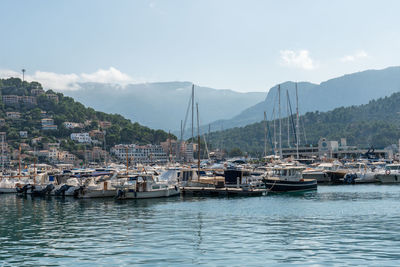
(374,124)
(34,104)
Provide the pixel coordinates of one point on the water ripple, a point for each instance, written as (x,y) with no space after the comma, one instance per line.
(337,225)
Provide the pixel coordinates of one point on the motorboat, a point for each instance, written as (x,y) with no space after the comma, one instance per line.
(390,175)
(143,186)
(288,179)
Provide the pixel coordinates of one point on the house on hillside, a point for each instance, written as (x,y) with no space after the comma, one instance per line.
(13,115)
(48,124)
(72,125)
(37,91)
(53,97)
(104,124)
(10,99)
(23,134)
(81,137)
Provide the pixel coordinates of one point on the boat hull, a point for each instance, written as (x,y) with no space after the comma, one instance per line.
(274,185)
(96,193)
(321,177)
(388,178)
(131,194)
(4,190)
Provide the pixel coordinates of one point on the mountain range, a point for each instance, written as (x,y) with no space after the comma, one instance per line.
(352,89)
(163,105)
(374,124)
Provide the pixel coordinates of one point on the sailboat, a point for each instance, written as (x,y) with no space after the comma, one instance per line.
(287,178)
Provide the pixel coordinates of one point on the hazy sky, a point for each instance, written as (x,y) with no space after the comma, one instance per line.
(242,45)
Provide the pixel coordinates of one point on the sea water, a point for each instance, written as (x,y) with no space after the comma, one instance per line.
(335,225)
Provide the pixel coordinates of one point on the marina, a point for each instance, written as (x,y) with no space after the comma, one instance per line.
(199,133)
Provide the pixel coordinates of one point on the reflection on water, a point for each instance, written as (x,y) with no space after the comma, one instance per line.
(337,225)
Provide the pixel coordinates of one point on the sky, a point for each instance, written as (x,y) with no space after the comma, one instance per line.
(245,46)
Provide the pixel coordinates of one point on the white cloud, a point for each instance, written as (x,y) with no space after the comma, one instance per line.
(300,59)
(357,55)
(57,81)
(112,75)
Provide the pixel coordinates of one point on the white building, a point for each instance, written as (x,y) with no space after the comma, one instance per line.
(72,125)
(140,154)
(23,134)
(81,137)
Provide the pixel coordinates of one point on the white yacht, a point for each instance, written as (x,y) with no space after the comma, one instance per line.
(390,175)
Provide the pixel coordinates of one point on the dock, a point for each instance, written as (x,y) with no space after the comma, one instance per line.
(224,191)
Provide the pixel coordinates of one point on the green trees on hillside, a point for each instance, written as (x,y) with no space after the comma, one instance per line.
(63,110)
(374,124)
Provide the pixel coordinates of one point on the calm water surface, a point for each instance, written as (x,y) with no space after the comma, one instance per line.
(337,225)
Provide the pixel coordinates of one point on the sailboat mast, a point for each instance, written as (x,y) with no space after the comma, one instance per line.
(297,124)
(198,140)
(288,118)
(192,111)
(265,134)
(274,120)
(280,121)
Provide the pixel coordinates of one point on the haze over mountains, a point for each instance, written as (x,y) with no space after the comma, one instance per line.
(163,105)
(352,89)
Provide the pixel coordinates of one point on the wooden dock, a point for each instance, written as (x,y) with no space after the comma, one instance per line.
(224,191)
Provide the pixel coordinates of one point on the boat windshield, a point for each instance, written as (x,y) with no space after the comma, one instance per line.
(392,167)
(168,175)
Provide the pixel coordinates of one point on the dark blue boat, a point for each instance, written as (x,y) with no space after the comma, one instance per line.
(288,179)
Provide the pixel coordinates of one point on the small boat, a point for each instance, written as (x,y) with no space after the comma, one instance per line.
(94,188)
(326,173)
(235,182)
(289,179)
(143,186)
(391,174)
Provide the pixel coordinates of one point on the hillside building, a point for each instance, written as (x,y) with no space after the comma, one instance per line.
(23,134)
(81,137)
(48,124)
(72,125)
(13,115)
(140,154)
(104,124)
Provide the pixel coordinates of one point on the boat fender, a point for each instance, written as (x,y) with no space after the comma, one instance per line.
(176,188)
(387,172)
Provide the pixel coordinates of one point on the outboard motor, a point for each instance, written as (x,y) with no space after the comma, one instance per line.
(78,191)
(120,194)
(350,178)
(45,191)
(61,191)
(24,189)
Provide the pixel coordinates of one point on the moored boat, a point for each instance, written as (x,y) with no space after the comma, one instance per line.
(289,179)
(143,186)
